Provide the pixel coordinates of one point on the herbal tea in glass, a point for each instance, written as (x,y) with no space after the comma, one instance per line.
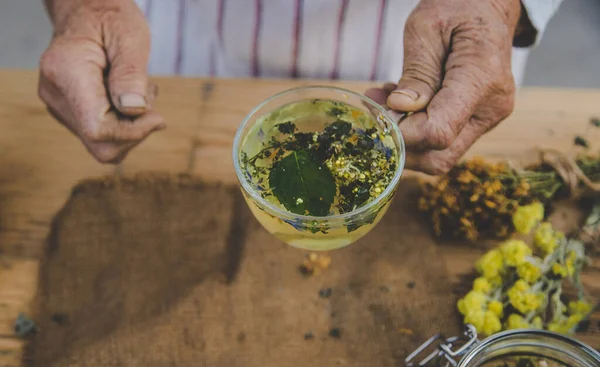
(318,166)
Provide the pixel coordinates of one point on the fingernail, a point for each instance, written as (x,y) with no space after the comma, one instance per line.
(407,92)
(131,100)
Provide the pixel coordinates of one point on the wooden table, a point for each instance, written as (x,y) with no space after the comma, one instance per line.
(40,162)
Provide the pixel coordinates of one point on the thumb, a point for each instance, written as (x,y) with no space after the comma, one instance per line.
(128,49)
(422,68)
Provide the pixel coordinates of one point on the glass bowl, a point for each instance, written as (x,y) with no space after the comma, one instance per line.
(315,233)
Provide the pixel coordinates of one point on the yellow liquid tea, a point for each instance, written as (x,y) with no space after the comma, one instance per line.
(319,158)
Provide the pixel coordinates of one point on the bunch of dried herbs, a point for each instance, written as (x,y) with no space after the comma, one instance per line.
(523,286)
(476,199)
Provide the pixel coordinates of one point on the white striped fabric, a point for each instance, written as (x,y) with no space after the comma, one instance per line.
(347,39)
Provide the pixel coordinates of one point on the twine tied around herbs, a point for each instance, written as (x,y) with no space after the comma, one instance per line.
(568,170)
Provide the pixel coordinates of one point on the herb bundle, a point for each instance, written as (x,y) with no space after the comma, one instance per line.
(522,286)
(477,199)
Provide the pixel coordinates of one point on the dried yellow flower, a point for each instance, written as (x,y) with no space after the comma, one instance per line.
(481,192)
(423,204)
(465,222)
(466,177)
(441,186)
(449,200)
(527,217)
(490,204)
(522,189)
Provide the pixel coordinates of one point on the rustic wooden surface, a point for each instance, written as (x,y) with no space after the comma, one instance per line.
(40,161)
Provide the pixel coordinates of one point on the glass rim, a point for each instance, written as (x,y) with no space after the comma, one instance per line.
(508,334)
(284,214)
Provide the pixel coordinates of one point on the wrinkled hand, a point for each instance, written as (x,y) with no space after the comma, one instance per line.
(93,76)
(457,78)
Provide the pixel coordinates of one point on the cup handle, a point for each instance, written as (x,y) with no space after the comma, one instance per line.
(396,116)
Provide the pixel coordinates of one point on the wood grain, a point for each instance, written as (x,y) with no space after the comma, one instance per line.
(40,161)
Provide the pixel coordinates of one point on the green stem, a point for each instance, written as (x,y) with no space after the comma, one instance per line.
(545,184)
(556,302)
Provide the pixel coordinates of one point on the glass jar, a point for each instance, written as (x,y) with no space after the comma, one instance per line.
(534,347)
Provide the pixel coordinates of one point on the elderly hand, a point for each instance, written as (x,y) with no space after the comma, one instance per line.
(93,76)
(457,78)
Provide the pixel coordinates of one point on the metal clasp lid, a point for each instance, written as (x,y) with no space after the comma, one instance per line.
(444,350)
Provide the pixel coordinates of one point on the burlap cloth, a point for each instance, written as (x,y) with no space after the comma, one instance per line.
(159,271)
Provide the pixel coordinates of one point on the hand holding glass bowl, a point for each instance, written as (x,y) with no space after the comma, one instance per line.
(318,166)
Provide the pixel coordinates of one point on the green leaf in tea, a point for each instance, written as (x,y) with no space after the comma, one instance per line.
(303,185)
